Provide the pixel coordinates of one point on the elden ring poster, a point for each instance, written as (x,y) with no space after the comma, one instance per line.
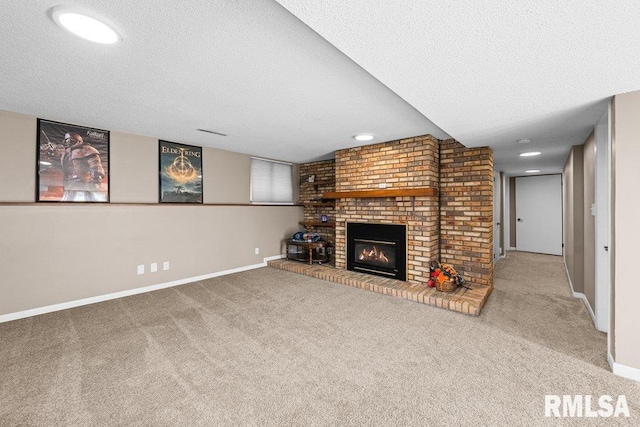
(180,173)
(73,163)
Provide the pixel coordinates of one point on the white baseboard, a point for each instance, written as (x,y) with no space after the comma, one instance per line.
(100,298)
(580,295)
(566,270)
(623,370)
(616,368)
(584,299)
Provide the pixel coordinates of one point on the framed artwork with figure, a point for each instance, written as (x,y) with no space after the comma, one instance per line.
(180,173)
(72,163)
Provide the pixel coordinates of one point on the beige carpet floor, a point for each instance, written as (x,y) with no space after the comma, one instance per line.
(269,347)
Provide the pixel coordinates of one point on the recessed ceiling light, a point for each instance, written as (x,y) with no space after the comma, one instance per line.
(524,141)
(91,28)
(532,171)
(363,137)
(530,153)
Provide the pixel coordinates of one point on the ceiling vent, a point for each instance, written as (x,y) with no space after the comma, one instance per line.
(211,131)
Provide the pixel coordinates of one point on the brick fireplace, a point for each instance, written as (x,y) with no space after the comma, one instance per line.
(452,223)
(404,164)
(439,193)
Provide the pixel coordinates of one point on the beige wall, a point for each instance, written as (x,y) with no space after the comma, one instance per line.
(18,161)
(133,169)
(573,217)
(56,253)
(626,175)
(223,167)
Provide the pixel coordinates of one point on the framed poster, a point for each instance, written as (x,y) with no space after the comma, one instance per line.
(73,163)
(180,173)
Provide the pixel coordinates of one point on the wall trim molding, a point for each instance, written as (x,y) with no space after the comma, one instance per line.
(623,370)
(129,292)
(617,368)
(584,299)
(580,295)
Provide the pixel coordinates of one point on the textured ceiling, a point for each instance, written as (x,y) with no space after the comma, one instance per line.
(297,89)
(490,73)
(247,69)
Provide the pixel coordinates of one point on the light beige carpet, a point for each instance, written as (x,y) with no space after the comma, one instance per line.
(269,347)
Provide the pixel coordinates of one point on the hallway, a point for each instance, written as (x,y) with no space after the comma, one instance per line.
(532,299)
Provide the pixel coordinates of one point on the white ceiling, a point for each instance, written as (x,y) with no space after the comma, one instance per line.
(295,84)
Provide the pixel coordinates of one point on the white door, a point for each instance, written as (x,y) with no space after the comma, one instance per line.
(539,214)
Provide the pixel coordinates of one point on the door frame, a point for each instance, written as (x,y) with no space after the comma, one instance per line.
(498,215)
(603,222)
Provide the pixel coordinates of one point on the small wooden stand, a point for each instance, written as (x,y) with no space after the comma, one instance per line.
(307,251)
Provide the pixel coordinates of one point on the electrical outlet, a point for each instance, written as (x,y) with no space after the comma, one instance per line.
(382,185)
(165,265)
(141,269)
(257,251)
(154,267)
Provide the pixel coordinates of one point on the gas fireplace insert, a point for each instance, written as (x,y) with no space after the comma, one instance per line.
(378,249)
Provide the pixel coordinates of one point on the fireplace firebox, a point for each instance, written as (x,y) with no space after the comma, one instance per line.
(378,249)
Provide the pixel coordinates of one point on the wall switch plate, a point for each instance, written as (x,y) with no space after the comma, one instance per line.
(141,269)
(257,251)
(165,265)
(154,267)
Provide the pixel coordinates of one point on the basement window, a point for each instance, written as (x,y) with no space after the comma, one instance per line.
(271,182)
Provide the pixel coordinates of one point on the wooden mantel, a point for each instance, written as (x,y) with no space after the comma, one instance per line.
(370,194)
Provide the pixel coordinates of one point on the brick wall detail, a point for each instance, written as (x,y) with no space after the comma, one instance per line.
(406,163)
(310,193)
(466,210)
(455,227)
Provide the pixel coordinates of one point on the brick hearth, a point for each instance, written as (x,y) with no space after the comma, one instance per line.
(467,301)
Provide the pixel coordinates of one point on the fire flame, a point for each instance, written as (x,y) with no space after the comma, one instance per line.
(373,254)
